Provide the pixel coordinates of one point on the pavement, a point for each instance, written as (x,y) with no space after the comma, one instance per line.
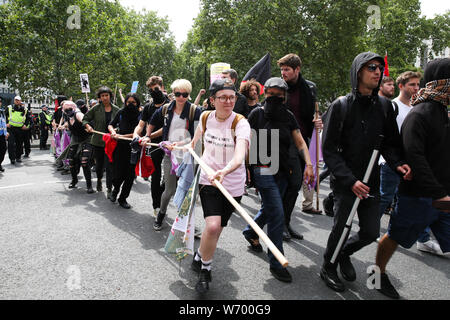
(65,244)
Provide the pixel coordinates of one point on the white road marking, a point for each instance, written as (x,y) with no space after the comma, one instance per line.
(17,186)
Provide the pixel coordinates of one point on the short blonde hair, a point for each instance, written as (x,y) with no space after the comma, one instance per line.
(182,84)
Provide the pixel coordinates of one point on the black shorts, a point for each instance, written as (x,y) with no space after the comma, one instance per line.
(214,203)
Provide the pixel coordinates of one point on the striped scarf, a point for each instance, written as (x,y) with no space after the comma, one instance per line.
(438,90)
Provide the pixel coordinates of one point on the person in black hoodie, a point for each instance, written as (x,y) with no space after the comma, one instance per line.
(426,140)
(352,129)
(124,122)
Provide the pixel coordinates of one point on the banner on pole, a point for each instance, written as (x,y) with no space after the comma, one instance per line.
(134,87)
(216,70)
(85,83)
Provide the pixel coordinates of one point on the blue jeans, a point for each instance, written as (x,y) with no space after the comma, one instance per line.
(412,215)
(271,188)
(389,182)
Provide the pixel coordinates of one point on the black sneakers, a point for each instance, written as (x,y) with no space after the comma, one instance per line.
(328,273)
(73,184)
(99,186)
(347,270)
(113,196)
(294,234)
(157,225)
(387,288)
(124,204)
(254,243)
(286,235)
(204,279)
(196,265)
(281,274)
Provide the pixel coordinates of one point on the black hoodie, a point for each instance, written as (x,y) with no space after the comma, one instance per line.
(426,139)
(348,154)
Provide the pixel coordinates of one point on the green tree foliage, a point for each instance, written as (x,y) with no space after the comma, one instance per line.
(117,46)
(326,34)
(113,45)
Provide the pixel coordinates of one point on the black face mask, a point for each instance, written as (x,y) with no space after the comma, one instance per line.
(158,96)
(131,110)
(69,112)
(275,109)
(84,109)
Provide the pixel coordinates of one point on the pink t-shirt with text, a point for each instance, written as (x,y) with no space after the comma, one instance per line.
(219,151)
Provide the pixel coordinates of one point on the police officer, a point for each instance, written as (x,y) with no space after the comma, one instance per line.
(3,135)
(27,132)
(16,122)
(45,120)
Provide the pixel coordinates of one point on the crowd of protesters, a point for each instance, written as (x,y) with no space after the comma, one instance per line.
(411,132)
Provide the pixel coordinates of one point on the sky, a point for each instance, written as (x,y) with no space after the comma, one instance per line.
(181,13)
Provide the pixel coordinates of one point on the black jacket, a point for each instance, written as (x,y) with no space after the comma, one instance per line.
(426,140)
(347,151)
(241,105)
(304,112)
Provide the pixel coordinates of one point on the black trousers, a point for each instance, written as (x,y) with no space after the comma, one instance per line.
(15,143)
(294,185)
(102,163)
(44,137)
(369,224)
(2,148)
(27,141)
(82,159)
(156,185)
(123,170)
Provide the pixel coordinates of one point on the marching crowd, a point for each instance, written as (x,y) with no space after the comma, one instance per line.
(264,145)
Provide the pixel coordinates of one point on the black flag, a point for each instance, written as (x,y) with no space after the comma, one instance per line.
(261,71)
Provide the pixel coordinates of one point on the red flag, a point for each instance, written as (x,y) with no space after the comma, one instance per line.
(110,146)
(145,167)
(386,67)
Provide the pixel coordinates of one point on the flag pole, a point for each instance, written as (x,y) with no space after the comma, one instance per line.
(317,159)
(115,95)
(278,255)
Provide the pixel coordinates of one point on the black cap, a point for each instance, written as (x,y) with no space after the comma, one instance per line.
(221,84)
(80,103)
(276,83)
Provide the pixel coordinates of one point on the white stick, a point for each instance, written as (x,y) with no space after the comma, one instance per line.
(278,255)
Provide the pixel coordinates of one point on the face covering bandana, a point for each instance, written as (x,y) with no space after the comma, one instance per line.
(158,96)
(69,112)
(275,109)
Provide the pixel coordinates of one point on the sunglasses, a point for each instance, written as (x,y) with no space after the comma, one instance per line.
(372,67)
(179,94)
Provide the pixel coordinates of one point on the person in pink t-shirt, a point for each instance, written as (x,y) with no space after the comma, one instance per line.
(225,153)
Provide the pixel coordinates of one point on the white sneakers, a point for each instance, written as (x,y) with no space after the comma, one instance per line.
(430,246)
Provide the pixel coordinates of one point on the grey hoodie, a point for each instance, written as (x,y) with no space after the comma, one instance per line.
(359,61)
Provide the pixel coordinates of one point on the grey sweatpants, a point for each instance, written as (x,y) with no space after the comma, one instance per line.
(170,182)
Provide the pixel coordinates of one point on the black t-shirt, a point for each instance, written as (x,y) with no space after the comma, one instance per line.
(147,113)
(108,116)
(57,115)
(259,123)
(125,122)
(77,130)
